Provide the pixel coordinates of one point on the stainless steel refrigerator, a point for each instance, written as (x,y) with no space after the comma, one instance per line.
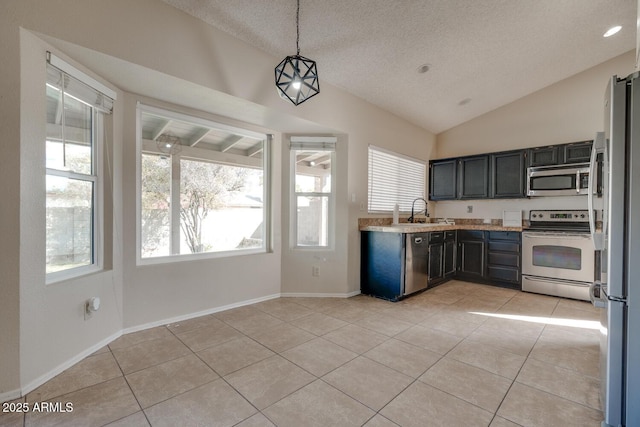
(615,165)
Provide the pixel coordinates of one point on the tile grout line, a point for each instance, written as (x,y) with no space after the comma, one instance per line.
(559,366)
(131,389)
(220,377)
(367,308)
(519,370)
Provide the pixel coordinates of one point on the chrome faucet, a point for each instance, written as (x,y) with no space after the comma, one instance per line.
(411,219)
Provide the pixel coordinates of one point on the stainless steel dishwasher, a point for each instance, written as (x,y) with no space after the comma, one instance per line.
(416,262)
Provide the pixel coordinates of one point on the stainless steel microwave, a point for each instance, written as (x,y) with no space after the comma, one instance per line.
(563,180)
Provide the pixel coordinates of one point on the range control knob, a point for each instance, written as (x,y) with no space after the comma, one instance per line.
(534,216)
(540,215)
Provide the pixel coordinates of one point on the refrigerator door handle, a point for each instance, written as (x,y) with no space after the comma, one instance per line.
(595,295)
(598,147)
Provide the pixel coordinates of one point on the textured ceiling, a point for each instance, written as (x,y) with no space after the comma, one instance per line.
(489,51)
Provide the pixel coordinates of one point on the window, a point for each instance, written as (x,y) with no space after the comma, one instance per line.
(75,110)
(313,187)
(394,179)
(203,187)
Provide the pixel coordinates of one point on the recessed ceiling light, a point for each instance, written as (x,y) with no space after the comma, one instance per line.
(423,68)
(464,101)
(611,31)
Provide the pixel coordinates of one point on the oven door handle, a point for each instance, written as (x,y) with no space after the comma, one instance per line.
(545,235)
(555,280)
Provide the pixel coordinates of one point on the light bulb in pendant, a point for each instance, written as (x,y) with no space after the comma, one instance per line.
(296,84)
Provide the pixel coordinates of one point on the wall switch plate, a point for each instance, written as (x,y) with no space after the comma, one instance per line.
(315,271)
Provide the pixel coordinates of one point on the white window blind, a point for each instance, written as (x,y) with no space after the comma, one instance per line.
(79,85)
(313,143)
(394,178)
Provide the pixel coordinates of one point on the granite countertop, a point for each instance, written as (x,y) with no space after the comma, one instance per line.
(384,225)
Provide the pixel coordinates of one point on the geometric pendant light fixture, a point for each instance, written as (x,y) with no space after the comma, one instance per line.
(169,144)
(297,76)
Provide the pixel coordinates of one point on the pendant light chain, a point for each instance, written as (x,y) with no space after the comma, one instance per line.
(298,29)
(297,76)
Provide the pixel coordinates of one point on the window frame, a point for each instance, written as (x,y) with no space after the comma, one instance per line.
(96,177)
(403,197)
(312,143)
(175,162)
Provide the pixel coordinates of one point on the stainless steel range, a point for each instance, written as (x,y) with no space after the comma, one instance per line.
(558,254)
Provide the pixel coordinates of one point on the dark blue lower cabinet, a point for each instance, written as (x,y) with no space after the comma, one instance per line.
(382,269)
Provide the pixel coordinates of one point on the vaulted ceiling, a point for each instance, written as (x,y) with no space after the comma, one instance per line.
(481,54)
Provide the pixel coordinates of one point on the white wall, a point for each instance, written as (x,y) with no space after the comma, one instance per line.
(9,207)
(568,111)
(146,49)
(53,329)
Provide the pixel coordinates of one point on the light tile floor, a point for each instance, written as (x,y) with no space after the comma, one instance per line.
(460,354)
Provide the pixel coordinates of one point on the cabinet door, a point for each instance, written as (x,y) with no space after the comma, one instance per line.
(473,173)
(508,175)
(544,156)
(471,258)
(435,262)
(578,152)
(382,264)
(449,258)
(442,182)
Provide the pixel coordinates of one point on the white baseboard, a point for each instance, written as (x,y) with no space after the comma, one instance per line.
(9,395)
(66,365)
(197,314)
(14,394)
(319,295)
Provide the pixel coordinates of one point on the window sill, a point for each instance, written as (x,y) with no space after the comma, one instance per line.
(170,259)
(72,274)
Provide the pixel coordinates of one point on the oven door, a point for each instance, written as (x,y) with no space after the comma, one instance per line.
(555,181)
(558,255)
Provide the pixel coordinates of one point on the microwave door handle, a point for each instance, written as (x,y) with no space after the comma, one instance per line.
(578,181)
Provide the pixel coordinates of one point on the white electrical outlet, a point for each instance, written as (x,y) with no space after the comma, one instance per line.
(315,271)
(470,209)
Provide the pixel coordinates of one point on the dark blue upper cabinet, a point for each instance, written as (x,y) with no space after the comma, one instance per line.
(508,175)
(473,176)
(442,179)
(545,156)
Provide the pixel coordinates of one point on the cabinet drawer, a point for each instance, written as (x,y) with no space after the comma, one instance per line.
(506,274)
(470,235)
(504,246)
(436,237)
(505,235)
(449,235)
(501,258)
